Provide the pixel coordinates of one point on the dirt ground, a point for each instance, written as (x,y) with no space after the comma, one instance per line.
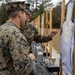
(56,41)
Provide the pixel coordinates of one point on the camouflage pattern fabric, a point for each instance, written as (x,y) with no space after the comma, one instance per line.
(31,33)
(11,7)
(16,5)
(14,51)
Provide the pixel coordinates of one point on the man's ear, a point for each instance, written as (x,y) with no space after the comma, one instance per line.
(20,14)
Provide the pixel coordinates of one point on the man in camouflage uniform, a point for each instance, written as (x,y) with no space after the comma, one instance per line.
(14,49)
(31,33)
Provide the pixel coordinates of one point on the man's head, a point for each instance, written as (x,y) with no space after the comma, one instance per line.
(16,10)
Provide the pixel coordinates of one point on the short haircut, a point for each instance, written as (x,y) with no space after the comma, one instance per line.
(12,14)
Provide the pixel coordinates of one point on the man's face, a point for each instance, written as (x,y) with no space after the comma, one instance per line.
(23,19)
(28,17)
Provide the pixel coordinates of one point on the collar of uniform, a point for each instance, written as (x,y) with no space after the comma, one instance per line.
(12,23)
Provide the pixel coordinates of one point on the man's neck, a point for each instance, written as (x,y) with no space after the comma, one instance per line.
(15,21)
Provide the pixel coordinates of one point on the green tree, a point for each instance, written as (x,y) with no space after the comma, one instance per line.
(38,11)
(57,16)
(3,16)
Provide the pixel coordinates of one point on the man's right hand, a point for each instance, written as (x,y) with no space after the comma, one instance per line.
(32,57)
(53,32)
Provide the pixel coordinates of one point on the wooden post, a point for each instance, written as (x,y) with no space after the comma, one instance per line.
(74,43)
(63,12)
(50,31)
(62,21)
(46,30)
(36,22)
(39,30)
(42,27)
(47,24)
(42,24)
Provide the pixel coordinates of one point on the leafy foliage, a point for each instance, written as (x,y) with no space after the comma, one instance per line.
(3,15)
(57,16)
(38,11)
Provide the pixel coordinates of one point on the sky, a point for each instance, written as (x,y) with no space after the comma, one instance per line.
(56,1)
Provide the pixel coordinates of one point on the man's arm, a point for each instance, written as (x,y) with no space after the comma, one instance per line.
(39,38)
